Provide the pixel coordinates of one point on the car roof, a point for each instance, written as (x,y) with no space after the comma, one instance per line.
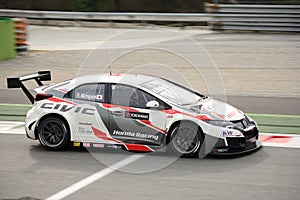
(131,79)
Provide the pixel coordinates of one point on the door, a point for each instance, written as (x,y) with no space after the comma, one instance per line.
(131,121)
(89,120)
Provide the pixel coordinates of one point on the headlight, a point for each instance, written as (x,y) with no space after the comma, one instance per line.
(250,120)
(229,129)
(220,123)
(225,124)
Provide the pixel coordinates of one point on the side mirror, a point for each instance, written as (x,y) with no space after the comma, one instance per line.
(152,104)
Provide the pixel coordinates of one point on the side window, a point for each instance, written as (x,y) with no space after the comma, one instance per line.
(129,96)
(89,92)
(122,95)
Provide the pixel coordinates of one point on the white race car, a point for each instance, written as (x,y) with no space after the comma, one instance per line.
(135,112)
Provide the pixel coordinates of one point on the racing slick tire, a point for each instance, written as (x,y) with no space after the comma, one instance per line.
(53,134)
(186,140)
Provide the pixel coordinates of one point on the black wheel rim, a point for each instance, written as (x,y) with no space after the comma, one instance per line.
(53,133)
(186,140)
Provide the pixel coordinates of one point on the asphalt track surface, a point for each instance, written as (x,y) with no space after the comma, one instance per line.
(260,73)
(27,170)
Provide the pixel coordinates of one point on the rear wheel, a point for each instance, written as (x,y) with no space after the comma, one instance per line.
(186,140)
(54,134)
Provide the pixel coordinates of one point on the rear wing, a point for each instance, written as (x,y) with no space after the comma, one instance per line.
(17,82)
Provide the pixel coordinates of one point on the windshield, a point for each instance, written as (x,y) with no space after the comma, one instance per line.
(173,92)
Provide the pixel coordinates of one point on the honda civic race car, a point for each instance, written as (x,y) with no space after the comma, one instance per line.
(135,112)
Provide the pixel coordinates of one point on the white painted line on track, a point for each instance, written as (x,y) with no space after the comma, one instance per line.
(11,122)
(94,177)
(10,127)
(271,144)
(13,132)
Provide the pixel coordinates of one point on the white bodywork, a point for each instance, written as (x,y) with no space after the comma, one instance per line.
(87,125)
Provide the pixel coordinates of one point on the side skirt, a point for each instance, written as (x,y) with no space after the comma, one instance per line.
(124,146)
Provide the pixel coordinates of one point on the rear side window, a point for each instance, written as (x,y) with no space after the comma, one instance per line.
(89,92)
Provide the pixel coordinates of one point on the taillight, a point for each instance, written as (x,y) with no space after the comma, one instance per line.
(42,96)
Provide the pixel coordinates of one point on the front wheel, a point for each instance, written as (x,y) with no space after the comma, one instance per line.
(186,140)
(53,134)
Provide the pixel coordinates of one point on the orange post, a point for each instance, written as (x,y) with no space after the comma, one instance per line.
(20,34)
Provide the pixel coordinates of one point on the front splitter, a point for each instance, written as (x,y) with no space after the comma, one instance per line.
(227,151)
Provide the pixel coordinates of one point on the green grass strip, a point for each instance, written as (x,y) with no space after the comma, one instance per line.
(13,112)
(271,123)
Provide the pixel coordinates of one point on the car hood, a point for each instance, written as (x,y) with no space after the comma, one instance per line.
(217,110)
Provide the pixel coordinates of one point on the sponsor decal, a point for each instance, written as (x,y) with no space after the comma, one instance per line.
(98,145)
(227,133)
(173,112)
(220,150)
(143,135)
(231,114)
(136,135)
(114,146)
(245,123)
(85,123)
(63,90)
(86,96)
(86,144)
(130,147)
(124,133)
(137,115)
(76,144)
(65,108)
(83,130)
(99,97)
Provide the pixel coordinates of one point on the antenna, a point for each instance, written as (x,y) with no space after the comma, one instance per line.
(108,62)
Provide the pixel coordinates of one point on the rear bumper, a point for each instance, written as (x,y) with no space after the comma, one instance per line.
(29,129)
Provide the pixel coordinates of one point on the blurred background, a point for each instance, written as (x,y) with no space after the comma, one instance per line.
(181,6)
(250,47)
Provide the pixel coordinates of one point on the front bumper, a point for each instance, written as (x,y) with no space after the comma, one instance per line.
(240,145)
(249,147)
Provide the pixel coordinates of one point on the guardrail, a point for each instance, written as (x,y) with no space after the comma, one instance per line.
(107,16)
(219,17)
(254,17)
(249,8)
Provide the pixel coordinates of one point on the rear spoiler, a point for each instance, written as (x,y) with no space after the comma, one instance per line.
(38,77)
